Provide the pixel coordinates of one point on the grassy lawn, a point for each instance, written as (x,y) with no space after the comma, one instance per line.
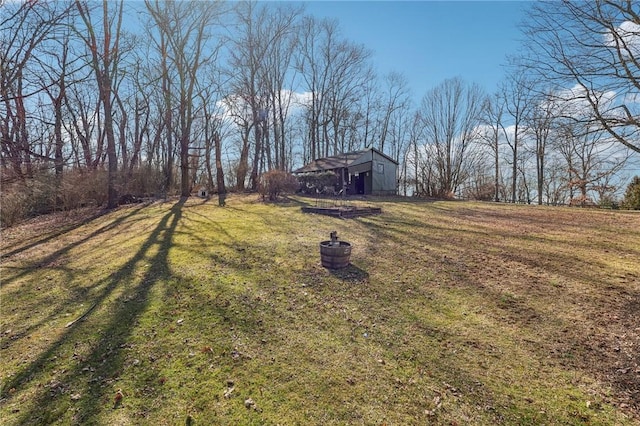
(451,313)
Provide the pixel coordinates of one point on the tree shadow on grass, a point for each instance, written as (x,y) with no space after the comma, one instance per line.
(52,261)
(351,274)
(56,234)
(286,201)
(51,258)
(105,360)
(598,348)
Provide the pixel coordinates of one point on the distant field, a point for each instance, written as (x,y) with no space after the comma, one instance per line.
(451,313)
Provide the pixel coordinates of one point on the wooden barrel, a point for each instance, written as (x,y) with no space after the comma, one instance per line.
(335,256)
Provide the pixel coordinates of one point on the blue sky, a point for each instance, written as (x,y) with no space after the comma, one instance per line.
(430,41)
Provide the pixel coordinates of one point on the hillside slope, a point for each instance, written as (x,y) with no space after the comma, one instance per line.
(450,313)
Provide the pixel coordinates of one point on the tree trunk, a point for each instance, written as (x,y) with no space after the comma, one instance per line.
(222,191)
(257,157)
(514,172)
(243,162)
(496,177)
(185,183)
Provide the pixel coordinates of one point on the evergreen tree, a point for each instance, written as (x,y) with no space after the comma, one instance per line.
(632,195)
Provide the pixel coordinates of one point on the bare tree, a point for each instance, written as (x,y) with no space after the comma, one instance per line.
(450,114)
(213,130)
(492,128)
(363,123)
(55,77)
(183,31)
(222,190)
(540,121)
(84,124)
(247,53)
(396,99)
(335,73)
(591,51)
(592,158)
(515,92)
(168,102)
(350,72)
(314,71)
(399,130)
(104,55)
(556,185)
(280,33)
(411,160)
(141,118)
(24,27)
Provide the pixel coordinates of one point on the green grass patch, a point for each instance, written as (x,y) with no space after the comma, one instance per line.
(450,313)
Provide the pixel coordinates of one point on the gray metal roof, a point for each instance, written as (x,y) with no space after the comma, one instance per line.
(337,161)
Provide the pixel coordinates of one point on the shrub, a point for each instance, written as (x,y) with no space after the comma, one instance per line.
(632,195)
(481,192)
(28,198)
(608,202)
(83,188)
(275,183)
(14,203)
(45,193)
(144,181)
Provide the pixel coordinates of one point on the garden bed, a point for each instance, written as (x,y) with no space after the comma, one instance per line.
(344,212)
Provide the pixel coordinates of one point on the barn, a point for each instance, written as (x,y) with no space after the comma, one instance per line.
(366,172)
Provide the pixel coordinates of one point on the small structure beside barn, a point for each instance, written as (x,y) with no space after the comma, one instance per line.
(365,172)
(202,191)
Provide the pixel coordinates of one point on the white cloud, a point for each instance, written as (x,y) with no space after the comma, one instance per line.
(576,101)
(627,35)
(299,99)
(235,106)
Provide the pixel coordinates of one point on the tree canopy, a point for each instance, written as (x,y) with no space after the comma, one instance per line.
(589,52)
(155,98)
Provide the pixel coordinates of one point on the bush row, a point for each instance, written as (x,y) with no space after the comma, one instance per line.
(46,192)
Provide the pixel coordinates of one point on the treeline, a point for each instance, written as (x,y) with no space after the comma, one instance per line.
(100,100)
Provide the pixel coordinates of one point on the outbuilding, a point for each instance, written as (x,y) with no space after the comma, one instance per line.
(202,191)
(366,172)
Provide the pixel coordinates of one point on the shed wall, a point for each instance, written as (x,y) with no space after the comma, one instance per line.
(384,175)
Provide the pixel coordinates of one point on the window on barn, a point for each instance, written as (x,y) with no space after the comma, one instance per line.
(380,168)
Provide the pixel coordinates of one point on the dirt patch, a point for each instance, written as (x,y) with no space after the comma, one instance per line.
(581,295)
